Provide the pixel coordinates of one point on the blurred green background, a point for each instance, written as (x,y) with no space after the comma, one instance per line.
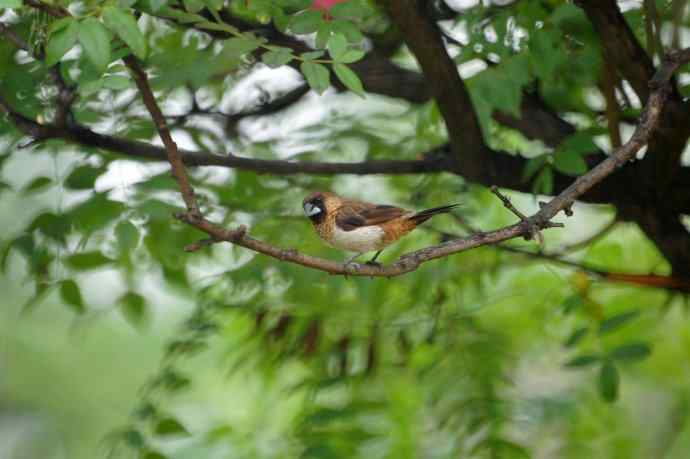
(114,342)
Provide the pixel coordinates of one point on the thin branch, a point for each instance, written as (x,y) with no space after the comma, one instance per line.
(174,157)
(507,204)
(432,162)
(644,280)
(273,106)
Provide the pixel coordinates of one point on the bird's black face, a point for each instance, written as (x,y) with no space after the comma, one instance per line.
(315,209)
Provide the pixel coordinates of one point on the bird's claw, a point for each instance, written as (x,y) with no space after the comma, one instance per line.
(352,267)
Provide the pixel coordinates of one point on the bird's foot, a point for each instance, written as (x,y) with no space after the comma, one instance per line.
(351,267)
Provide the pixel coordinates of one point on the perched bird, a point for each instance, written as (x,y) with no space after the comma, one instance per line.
(362,227)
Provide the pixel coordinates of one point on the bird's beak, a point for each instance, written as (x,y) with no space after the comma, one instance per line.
(310,210)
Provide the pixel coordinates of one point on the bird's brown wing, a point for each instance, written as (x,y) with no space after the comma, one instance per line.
(353,215)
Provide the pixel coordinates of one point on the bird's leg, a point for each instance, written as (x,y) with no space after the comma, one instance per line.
(350,262)
(373,262)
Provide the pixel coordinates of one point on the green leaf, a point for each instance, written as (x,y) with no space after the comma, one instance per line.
(214,4)
(127,236)
(51,225)
(237,47)
(631,352)
(615,322)
(71,295)
(153,455)
(170,426)
(580,142)
(193,6)
(277,58)
(133,308)
(347,10)
(501,87)
(323,33)
(317,76)
(544,181)
(10,3)
(609,381)
(87,260)
(351,55)
(38,184)
(90,87)
(95,213)
(116,82)
(349,78)
(95,41)
(158,4)
(569,162)
(576,337)
(337,45)
(305,22)
(61,40)
(348,29)
(133,438)
(83,178)
(572,303)
(532,166)
(311,55)
(123,24)
(582,361)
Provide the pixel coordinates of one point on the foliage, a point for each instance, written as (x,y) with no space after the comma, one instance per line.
(487,353)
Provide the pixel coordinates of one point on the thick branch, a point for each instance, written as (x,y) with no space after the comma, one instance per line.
(425,40)
(620,45)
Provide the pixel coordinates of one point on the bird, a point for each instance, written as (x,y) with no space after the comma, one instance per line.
(362,227)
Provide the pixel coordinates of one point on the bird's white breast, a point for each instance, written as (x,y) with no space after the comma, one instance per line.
(364,239)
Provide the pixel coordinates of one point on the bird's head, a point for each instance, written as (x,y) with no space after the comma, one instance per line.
(317,205)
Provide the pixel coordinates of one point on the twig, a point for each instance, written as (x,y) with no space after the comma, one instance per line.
(506,202)
(534,231)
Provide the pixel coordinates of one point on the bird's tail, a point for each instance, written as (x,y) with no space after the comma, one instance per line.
(424,215)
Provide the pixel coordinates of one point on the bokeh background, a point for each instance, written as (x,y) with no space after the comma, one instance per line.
(116,343)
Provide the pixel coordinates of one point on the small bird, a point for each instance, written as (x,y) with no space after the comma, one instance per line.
(361,227)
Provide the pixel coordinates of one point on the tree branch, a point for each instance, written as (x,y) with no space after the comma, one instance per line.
(526,227)
(620,45)
(425,40)
(174,157)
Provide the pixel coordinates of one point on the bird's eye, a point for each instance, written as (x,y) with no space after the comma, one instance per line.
(310,209)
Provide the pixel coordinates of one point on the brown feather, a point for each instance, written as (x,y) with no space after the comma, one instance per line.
(355,214)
